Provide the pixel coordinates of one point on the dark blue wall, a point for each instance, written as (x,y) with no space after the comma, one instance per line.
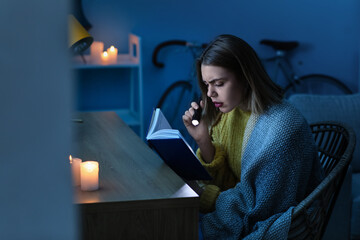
(328,31)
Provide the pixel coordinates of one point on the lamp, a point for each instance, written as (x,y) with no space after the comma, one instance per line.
(79,38)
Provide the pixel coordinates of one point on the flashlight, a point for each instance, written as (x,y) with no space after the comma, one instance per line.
(196,117)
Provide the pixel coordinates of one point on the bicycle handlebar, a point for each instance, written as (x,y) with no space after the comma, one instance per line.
(170,43)
(280,45)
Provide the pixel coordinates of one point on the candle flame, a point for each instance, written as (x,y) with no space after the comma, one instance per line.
(70,158)
(105,53)
(112,48)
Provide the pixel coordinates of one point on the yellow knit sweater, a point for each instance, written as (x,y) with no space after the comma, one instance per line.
(228,139)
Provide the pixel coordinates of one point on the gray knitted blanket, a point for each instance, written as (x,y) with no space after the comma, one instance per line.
(279,168)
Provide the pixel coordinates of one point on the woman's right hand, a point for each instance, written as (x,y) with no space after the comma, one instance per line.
(199,132)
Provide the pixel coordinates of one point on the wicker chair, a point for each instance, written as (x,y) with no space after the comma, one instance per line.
(336,144)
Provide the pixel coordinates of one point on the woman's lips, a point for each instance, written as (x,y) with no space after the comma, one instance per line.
(218,104)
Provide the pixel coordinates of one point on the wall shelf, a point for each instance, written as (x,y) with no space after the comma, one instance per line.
(133,114)
(123,61)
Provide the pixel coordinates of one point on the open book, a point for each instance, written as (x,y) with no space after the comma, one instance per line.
(173,149)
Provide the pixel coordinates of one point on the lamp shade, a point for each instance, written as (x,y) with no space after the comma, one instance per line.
(79,38)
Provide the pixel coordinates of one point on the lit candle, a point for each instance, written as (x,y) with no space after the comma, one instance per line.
(105,57)
(89,176)
(112,51)
(75,170)
(96,50)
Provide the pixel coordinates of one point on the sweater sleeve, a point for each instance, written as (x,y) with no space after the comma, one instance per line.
(223,178)
(208,198)
(217,163)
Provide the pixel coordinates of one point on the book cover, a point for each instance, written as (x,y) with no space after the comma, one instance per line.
(173,149)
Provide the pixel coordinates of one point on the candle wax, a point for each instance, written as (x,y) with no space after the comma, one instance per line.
(89,176)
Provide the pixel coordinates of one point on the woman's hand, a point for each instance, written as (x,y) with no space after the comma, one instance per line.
(199,133)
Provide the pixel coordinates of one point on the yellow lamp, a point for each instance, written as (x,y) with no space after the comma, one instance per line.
(79,38)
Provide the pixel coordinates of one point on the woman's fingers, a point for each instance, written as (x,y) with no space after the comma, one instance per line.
(187,117)
(189,113)
(194,105)
(202,104)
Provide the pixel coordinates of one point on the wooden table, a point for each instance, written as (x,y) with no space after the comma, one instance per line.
(139,196)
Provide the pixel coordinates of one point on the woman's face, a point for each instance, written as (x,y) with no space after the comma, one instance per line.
(223,87)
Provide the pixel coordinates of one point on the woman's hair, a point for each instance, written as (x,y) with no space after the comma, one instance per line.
(235,55)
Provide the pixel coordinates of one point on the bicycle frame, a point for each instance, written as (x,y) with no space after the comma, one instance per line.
(283,65)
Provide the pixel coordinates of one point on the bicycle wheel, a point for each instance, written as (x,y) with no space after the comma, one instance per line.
(317,84)
(174,102)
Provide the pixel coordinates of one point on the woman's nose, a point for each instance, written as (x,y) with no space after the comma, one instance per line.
(210,91)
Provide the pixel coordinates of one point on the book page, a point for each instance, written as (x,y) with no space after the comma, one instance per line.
(162,121)
(158,122)
(165,134)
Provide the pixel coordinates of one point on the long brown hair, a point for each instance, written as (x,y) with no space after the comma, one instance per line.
(239,57)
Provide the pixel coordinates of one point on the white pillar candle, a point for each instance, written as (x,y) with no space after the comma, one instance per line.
(96,50)
(89,176)
(112,51)
(75,170)
(105,58)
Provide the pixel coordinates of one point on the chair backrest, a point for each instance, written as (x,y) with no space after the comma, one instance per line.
(336,144)
(339,108)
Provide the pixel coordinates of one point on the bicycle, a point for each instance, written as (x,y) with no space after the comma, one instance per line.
(178,96)
(310,83)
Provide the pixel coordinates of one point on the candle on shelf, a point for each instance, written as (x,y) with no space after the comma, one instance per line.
(89,176)
(96,50)
(75,170)
(105,58)
(112,51)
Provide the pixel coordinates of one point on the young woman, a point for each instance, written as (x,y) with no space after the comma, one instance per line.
(257,147)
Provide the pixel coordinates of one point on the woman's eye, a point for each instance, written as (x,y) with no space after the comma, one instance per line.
(219,84)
